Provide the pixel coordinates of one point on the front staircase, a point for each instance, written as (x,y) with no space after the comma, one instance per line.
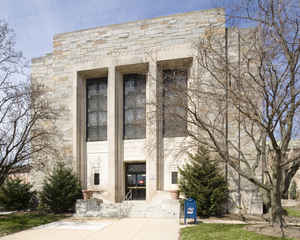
(161,206)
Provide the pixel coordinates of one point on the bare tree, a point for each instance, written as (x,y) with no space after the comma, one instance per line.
(274,74)
(23,110)
(243,99)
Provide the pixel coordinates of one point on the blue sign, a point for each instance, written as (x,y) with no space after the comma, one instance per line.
(190,209)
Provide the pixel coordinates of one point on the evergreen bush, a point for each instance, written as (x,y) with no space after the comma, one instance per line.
(202,180)
(60,190)
(17,195)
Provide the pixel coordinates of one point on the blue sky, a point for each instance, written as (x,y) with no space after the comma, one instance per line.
(35,22)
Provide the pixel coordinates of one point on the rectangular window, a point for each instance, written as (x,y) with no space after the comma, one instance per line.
(96,109)
(174,177)
(96,178)
(174,103)
(134,106)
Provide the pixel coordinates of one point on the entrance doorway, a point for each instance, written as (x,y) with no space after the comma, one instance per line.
(135,181)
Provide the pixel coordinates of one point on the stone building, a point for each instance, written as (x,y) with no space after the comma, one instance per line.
(119,145)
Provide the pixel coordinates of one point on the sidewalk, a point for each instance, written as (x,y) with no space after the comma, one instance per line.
(110,229)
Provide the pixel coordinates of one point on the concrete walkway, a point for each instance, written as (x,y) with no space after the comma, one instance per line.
(111,229)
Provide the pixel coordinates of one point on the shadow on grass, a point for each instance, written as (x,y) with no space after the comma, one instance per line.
(20,221)
(213,231)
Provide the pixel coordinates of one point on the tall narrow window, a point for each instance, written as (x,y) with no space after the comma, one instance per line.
(134,106)
(174,177)
(174,103)
(96,178)
(96,109)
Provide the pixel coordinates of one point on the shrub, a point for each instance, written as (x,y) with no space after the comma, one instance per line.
(60,190)
(293,190)
(201,180)
(16,195)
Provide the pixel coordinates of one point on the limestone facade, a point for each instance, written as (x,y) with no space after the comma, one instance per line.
(146,47)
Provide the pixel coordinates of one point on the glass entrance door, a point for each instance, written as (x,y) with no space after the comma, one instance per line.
(136,181)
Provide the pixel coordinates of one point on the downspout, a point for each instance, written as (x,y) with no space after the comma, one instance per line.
(239,123)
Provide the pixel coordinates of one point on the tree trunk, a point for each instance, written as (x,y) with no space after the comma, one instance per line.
(285,191)
(266,201)
(276,207)
(285,185)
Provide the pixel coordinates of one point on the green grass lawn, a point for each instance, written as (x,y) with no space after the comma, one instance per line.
(20,221)
(293,212)
(221,232)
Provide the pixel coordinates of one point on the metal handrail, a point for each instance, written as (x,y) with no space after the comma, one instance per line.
(137,187)
(128,195)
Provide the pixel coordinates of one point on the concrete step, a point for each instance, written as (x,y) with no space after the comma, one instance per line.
(165,208)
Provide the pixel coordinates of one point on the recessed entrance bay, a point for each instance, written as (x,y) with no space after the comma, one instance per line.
(135,181)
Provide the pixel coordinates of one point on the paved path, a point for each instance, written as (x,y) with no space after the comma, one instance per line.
(123,229)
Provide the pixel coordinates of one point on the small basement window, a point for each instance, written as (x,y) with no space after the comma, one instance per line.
(96,179)
(174,177)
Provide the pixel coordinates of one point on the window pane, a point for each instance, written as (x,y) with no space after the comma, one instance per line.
(141,179)
(92,119)
(136,168)
(140,83)
(170,129)
(102,133)
(140,115)
(175,127)
(102,88)
(96,109)
(91,89)
(140,100)
(129,131)
(92,103)
(171,99)
(174,114)
(129,101)
(102,101)
(92,134)
(129,116)
(181,112)
(102,118)
(134,106)
(140,131)
(129,85)
(131,179)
